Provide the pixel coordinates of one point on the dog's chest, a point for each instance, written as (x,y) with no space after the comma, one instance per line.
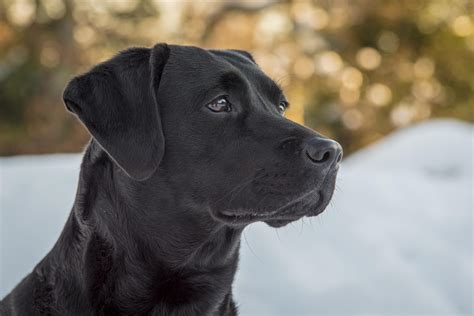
(164,292)
(116,286)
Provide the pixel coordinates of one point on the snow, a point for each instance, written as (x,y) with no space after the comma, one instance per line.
(397,238)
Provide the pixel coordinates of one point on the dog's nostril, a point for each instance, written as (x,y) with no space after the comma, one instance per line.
(323,151)
(324,158)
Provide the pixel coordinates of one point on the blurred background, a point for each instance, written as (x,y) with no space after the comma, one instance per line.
(392,81)
(355,70)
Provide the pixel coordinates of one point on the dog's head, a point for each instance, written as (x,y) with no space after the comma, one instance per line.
(212,124)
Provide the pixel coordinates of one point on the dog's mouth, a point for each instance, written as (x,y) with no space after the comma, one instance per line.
(284,207)
(311,203)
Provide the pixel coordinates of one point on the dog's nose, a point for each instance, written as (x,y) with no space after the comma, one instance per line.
(323,151)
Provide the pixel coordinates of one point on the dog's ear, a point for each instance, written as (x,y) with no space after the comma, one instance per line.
(243,53)
(117,102)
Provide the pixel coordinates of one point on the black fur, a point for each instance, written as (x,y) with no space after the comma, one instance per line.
(167,186)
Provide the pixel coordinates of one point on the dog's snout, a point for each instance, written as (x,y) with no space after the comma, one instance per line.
(323,151)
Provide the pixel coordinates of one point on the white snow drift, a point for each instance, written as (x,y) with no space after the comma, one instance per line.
(397,238)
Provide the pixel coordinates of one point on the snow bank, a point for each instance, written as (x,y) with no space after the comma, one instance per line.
(396,240)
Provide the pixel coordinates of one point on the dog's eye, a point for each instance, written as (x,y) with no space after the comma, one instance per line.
(282,107)
(221,104)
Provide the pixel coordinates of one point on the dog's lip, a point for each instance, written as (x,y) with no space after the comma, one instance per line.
(279,217)
(320,205)
(253,214)
(275,216)
(242,218)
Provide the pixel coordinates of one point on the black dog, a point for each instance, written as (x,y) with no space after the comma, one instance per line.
(189,146)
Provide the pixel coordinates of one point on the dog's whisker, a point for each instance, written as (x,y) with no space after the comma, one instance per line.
(311,224)
(237,187)
(278,235)
(320,221)
(237,191)
(250,248)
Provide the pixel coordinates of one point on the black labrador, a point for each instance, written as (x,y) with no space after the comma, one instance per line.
(188,147)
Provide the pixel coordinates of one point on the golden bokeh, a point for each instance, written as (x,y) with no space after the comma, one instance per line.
(354,70)
(368,58)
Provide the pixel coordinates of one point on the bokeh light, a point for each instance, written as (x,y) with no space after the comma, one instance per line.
(462,26)
(379,94)
(368,58)
(388,42)
(353,119)
(21,12)
(352,78)
(355,70)
(328,62)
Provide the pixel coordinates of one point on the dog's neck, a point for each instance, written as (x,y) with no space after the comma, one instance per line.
(130,256)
